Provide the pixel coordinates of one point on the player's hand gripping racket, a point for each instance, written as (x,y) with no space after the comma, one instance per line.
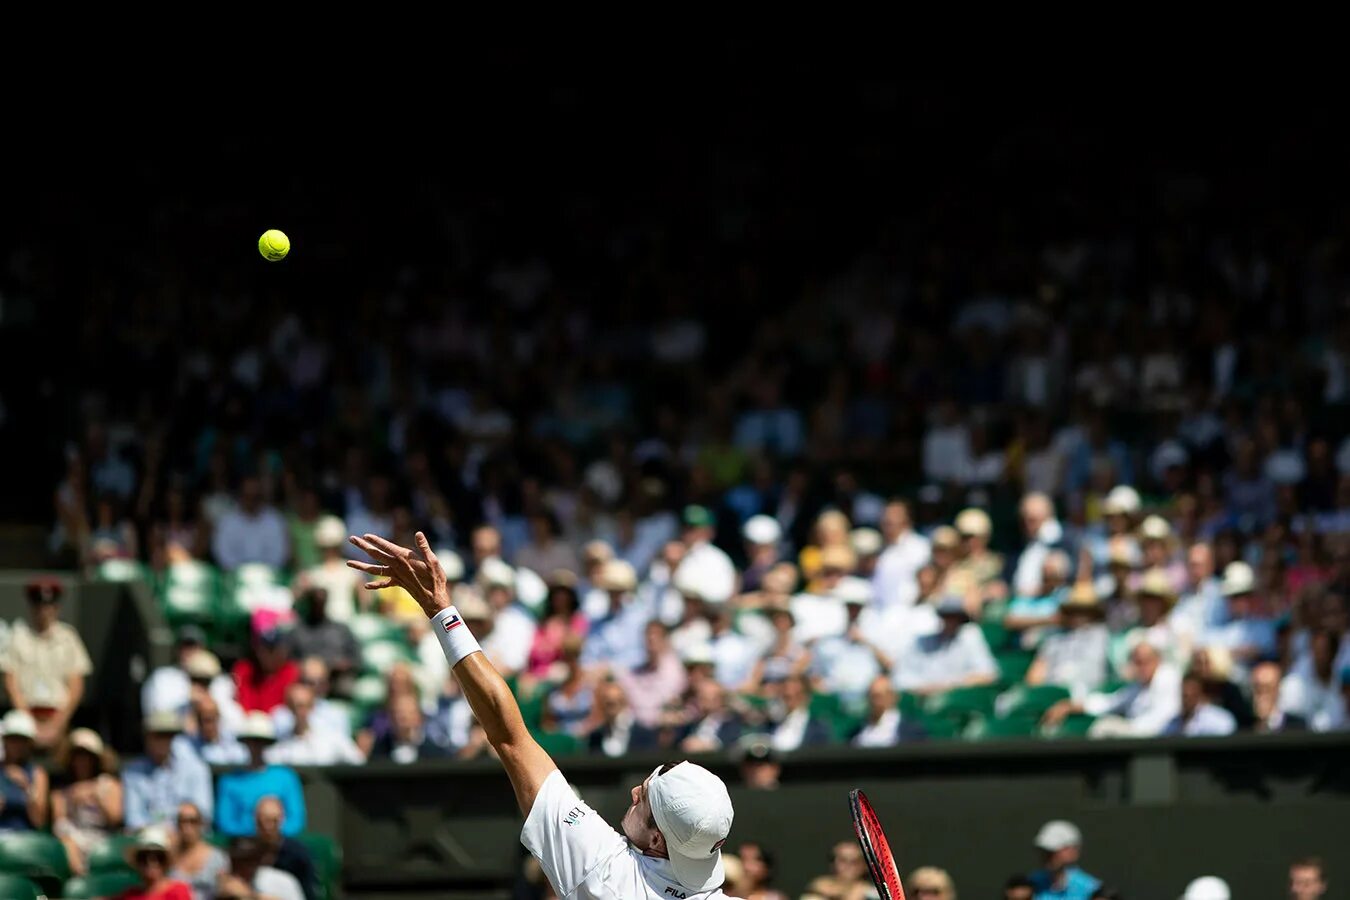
(876,849)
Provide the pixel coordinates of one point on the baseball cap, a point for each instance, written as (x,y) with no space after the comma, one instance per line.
(1207,888)
(696,516)
(761,530)
(1238,578)
(495,573)
(692,808)
(1058,834)
(18,723)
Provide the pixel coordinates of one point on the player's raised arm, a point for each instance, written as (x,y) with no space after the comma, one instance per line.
(419,573)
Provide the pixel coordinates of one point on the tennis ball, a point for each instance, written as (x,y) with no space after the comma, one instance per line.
(274,245)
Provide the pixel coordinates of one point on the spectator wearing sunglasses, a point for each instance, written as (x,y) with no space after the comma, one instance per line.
(151,855)
(931,883)
(196,861)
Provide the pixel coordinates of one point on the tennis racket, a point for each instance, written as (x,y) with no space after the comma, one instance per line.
(876,849)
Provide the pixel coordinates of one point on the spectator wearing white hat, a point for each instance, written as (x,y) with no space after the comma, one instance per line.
(238,793)
(846,664)
(341,583)
(1158,544)
(984,566)
(1246,635)
(895,581)
(1060,877)
(169,688)
(761,535)
(87,810)
(154,784)
(1198,716)
(866,544)
(615,639)
(1075,656)
(513,626)
(956,655)
(151,856)
(1207,888)
(1044,534)
(23,783)
(1152,606)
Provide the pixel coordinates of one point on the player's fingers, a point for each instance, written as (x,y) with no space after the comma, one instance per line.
(425,546)
(368,548)
(389,547)
(368,568)
(378,584)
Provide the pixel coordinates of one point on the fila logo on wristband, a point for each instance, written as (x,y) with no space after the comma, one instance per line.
(451,621)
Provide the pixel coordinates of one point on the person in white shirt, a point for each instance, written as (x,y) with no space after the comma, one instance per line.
(1246,635)
(956,655)
(249,878)
(1201,606)
(883,726)
(680,816)
(1044,533)
(1312,689)
(251,532)
(796,727)
(847,664)
(309,745)
(169,688)
(717,575)
(895,581)
(1150,700)
(513,625)
(332,574)
(1074,657)
(1198,717)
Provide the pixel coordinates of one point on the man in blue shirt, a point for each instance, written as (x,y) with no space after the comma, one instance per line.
(239,792)
(1059,877)
(168,775)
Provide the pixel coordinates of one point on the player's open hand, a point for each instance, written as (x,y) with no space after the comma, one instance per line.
(398,566)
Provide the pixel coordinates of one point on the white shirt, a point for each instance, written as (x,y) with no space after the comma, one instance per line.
(241,538)
(895,581)
(585,859)
(931,661)
(817,617)
(717,574)
(326,716)
(168,689)
(316,747)
(734,657)
(1027,577)
(789,733)
(1321,704)
(272,882)
(946,452)
(508,646)
(341,583)
(885,732)
(1148,707)
(1208,721)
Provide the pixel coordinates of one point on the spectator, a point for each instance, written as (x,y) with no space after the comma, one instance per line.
(1019,887)
(261,679)
(1207,888)
(545,552)
(848,872)
(1270,718)
(251,532)
(957,655)
(1215,667)
(613,730)
(369,510)
(1030,616)
(1146,704)
(23,783)
(213,743)
(151,855)
(931,883)
(659,681)
(568,704)
(845,665)
(884,726)
(155,784)
(1075,656)
(311,743)
(341,585)
(1158,544)
(977,561)
(282,852)
(795,727)
(196,862)
(1043,533)
(713,725)
(1202,605)
(895,581)
(1246,634)
(758,865)
(1153,602)
(1198,716)
(1307,879)
(761,765)
(169,688)
(45,664)
(406,741)
(327,716)
(716,574)
(1312,689)
(562,618)
(317,634)
(87,809)
(238,793)
(866,544)
(1059,876)
(817,610)
(761,535)
(616,640)
(248,878)
(513,626)
(784,656)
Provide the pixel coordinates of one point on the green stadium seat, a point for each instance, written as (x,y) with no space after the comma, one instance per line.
(963,704)
(1075,725)
(108,884)
(1013,665)
(121,571)
(558,743)
(35,855)
(381,656)
(108,857)
(830,709)
(256,575)
(16,887)
(910,704)
(999,729)
(994,632)
(940,727)
(327,855)
(369,627)
(1030,702)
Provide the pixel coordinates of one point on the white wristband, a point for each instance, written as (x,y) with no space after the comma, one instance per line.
(456,639)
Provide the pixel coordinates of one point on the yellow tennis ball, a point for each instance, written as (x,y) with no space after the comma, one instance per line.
(274,245)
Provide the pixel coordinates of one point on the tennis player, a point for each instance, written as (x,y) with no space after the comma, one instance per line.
(673,832)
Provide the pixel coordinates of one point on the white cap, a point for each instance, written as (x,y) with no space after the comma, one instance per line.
(1058,834)
(1155,528)
(853,590)
(1122,500)
(257,727)
(761,530)
(18,723)
(865,541)
(699,654)
(692,808)
(1207,888)
(452,564)
(329,532)
(1238,578)
(495,573)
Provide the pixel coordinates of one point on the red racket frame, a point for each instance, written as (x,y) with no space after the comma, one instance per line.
(875,847)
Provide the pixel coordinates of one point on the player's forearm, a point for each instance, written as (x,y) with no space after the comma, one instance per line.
(491,701)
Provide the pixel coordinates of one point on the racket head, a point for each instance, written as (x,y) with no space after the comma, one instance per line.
(875,847)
